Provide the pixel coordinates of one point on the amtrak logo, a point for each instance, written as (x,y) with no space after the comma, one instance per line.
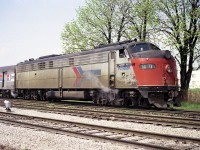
(83,75)
(80,72)
(125,66)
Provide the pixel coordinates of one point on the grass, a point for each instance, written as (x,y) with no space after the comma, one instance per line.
(190,106)
(193,102)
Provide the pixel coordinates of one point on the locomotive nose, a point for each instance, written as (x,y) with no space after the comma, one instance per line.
(159,65)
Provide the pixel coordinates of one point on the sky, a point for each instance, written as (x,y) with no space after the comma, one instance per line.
(32,28)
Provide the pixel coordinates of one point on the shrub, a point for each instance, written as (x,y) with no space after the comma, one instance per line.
(194,95)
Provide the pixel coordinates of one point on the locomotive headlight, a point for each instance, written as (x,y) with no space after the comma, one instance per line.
(147,66)
(168,68)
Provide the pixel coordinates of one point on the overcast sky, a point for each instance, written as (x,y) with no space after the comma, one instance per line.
(32,28)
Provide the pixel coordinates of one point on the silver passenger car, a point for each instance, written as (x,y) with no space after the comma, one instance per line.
(7,80)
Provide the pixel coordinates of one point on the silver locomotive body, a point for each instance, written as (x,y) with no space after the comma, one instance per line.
(84,75)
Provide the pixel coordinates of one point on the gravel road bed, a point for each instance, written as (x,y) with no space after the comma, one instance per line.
(32,139)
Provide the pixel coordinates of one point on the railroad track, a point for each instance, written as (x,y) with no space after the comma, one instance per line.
(125,117)
(136,138)
(111,115)
(165,112)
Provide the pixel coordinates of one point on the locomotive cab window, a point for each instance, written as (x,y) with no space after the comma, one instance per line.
(139,47)
(153,47)
(122,53)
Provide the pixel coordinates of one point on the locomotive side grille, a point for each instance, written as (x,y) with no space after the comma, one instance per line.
(41,65)
(50,64)
(63,62)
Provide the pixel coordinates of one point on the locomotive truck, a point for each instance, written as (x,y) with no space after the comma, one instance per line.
(124,73)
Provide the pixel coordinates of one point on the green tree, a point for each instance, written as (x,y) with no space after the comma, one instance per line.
(108,21)
(73,37)
(180,21)
(142,18)
(99,22)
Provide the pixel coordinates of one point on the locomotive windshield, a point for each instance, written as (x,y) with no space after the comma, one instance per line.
(140,47)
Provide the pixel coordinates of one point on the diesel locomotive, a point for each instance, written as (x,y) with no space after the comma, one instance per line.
(128,73)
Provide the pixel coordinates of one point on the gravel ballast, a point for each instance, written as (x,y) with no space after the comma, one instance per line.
(32,139)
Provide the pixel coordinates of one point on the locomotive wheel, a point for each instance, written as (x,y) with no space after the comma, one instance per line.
(94,101)
(144,103)
(43,96)
(34,95)
(126,102)
(99,99)
(26,94)
(6,94)
(134,102)
(95,97)
(102,99)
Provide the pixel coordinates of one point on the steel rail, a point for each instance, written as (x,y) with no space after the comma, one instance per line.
(85,135)
(119,130)
(153,119)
